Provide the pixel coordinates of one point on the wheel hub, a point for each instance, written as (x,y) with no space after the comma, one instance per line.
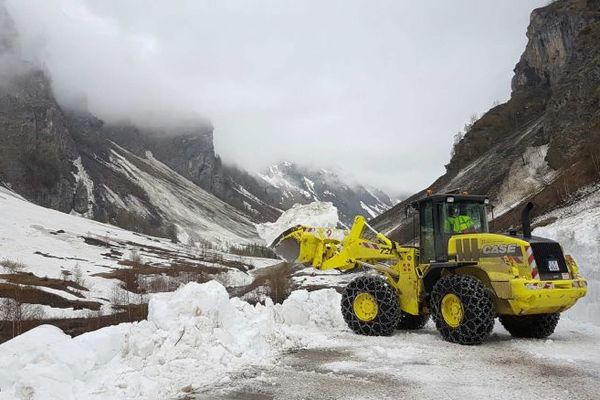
(365,307)
(452,310)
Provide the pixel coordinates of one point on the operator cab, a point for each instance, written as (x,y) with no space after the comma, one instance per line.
(444,215)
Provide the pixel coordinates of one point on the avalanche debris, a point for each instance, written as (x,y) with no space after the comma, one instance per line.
(195,336)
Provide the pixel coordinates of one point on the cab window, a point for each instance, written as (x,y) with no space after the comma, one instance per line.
(463,217)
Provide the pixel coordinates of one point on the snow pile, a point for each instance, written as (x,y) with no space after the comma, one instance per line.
(578,231)
(193,337)
(318,214)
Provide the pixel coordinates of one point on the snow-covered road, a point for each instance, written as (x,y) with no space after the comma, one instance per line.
(199,344)
(419,365)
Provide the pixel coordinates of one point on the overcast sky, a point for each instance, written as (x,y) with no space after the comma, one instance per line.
(376,88)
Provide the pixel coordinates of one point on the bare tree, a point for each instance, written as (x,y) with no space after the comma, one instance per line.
(120,298)
(12,267)
(78,275)
(64,274)
(15,311)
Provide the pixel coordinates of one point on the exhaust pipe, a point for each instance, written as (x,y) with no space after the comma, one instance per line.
(525,220)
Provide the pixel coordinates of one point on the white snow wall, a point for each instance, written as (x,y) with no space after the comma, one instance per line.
(579,235)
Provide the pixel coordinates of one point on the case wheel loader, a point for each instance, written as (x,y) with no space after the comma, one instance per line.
(460,274)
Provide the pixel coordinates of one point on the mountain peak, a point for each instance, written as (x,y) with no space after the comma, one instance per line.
(290,183)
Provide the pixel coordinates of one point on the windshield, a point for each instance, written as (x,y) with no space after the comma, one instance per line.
(464,217)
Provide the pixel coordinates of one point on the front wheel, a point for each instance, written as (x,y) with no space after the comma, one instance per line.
(530,326)
(370,306)
(462,309)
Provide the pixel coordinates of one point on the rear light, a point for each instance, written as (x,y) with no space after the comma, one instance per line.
(572,265)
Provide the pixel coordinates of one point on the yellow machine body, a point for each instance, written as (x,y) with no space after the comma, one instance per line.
(501,262)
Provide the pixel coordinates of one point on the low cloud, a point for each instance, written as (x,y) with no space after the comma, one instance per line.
(375,88)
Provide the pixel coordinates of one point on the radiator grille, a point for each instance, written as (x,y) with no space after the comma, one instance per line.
(550,260)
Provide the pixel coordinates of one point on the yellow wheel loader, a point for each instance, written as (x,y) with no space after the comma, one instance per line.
(460,274)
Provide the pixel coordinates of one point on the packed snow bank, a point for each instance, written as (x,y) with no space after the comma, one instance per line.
(193,337)
(318,214)
(577,229)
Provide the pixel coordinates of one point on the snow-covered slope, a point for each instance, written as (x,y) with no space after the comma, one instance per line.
(289,184)
(577,228)
(197,214)
(55,245)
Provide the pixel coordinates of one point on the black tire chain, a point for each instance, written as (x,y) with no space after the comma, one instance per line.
(412,322)
(478,308)
(530,326)
(388,305)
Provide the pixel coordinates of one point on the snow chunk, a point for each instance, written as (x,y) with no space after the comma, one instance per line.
(313,309)
(318,213)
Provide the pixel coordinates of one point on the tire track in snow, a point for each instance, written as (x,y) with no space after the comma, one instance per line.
(419,365)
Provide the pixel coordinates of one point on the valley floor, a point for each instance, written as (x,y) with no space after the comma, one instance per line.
(419,365)
(199,344)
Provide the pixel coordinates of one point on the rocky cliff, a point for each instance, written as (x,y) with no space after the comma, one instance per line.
(72,162)
(544,143)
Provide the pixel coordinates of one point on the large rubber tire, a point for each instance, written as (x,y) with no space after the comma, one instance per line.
(530,326)
(477,309)
(412,322)
(388,306)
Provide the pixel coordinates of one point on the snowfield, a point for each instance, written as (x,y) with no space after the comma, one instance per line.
(199,344)
(50,243)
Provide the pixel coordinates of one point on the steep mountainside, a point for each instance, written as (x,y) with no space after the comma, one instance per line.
(73,162)
(190,152)
(544,143)
(70,164)
(288,184)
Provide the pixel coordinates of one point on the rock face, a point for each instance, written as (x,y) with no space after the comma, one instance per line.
(544,143)
(72,162)
(36,150)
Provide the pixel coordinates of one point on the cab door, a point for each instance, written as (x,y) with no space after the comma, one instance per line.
(427,233)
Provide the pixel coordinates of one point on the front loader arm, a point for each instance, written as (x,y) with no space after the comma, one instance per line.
(326,248)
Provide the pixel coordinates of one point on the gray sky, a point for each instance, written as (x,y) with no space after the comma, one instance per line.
(376,88)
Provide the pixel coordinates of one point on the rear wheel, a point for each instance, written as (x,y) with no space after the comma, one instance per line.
(530,326)
(370,306)
(410,322)
(462,309)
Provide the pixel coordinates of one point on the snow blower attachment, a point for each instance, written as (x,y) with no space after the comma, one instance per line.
(461,275)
